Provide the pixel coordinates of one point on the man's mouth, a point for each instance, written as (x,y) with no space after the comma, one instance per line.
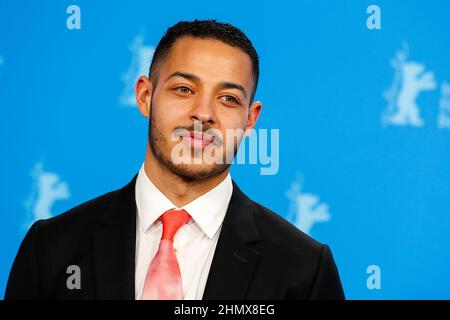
(197,139)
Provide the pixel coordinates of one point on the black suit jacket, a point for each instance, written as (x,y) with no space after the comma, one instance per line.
(259,255)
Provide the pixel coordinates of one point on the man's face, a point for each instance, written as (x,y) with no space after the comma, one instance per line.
(202,97)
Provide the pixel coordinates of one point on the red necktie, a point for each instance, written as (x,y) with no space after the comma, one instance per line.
(163,280)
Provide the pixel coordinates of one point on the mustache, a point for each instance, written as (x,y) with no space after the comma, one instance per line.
(215,133)
(193,127)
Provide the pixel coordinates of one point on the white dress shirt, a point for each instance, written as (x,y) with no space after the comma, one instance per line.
(194,243)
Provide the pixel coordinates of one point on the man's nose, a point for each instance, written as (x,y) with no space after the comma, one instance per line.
(203,110)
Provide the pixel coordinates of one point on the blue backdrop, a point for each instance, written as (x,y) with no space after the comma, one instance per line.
(360,95)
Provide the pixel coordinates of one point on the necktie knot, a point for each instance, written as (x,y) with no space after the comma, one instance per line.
(173,220)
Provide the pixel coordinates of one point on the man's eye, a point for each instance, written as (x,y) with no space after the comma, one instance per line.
(232,99)
(183,89)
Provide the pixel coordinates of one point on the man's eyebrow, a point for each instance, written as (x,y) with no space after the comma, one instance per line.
(195,78)
(232,85)
(187,75)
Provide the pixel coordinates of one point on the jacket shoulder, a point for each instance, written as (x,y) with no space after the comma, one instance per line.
(90,209)
(309,270)
(282,232)
(80,219)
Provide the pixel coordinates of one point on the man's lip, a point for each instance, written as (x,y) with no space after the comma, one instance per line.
(198,135)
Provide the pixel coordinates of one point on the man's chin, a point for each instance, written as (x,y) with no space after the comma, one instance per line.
(197,171)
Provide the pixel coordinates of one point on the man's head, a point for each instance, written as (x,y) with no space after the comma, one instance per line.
(203,77)
(204,29)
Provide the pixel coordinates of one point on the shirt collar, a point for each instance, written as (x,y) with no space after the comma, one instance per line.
(208,210)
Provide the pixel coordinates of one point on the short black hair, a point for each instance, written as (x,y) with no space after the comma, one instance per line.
(204,29)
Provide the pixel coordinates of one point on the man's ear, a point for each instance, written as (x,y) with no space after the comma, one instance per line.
(253,115)
(143,90)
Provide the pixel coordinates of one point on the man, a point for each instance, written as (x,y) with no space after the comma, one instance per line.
(181,229)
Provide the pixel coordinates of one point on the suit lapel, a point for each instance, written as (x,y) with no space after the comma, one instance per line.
(233,263)
(114,247)
(234,259)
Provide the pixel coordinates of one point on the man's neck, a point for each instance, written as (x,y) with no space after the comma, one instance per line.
(179,191)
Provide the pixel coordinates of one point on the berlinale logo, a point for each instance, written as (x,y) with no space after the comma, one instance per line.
(411,79)
(306,209)
(47,188)
(139,65)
